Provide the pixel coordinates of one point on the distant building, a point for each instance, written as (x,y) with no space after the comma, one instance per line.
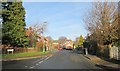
(68,44)
(55,45)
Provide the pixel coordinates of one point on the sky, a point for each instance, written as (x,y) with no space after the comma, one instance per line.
(63,18)
(69,0)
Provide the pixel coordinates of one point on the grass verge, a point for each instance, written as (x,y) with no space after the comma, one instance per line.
(25,54)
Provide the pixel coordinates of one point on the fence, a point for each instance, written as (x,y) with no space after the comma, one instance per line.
(115,53)
(19,50)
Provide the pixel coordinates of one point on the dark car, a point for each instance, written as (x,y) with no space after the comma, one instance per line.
(64,47)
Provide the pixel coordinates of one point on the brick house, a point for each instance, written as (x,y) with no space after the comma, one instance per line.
(69,44)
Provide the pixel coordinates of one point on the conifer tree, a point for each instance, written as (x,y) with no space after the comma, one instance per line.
(13,25)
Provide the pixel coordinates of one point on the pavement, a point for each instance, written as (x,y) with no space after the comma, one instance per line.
(102,63)
(64,59)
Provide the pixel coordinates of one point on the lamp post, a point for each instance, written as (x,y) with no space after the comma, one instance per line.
(43,39)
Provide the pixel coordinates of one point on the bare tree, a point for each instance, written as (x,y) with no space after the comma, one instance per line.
(50,40)
(102,21)
(37,30)
(62,39)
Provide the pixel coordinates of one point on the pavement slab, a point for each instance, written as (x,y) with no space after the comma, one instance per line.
(100,62)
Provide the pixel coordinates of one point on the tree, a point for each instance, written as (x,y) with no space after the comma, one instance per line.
(117,42)
(62,40)
(38,29)
(13,25)
(102,22)
(50,40)
(29,34)
(34,33)
(81,40)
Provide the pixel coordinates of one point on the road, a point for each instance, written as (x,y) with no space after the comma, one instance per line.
(64,59)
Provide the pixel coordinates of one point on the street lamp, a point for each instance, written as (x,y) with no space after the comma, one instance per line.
(44,41)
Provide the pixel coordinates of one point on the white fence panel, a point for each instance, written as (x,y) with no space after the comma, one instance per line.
(115,53)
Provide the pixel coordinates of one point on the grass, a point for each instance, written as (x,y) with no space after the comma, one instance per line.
(25,54)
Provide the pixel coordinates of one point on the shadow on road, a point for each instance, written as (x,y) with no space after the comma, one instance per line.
(76,51)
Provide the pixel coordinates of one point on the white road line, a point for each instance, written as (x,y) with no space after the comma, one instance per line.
(26,66)
(32,67)
(36,61)
(37,64)
(43,60)
(40,61)
(47,58)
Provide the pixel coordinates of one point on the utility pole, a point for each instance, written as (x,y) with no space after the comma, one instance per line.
(43,39)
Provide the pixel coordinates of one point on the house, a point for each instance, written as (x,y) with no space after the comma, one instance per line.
(29,34)
(68,44)
(37,40)
(55,44)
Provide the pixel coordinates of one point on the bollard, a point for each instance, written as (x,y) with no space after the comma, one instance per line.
(86,52)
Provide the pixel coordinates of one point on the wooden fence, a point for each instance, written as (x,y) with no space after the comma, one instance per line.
(18,50)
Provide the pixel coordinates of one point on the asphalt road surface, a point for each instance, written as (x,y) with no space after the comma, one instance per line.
(64,59)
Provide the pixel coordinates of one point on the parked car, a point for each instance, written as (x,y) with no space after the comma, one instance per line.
(69,48)
(64,47)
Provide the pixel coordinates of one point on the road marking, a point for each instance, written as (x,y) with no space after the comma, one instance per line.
(36,61)
(37,64)
(43,59)
(32,67)
(47,58)
(40,61)
(26,66)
